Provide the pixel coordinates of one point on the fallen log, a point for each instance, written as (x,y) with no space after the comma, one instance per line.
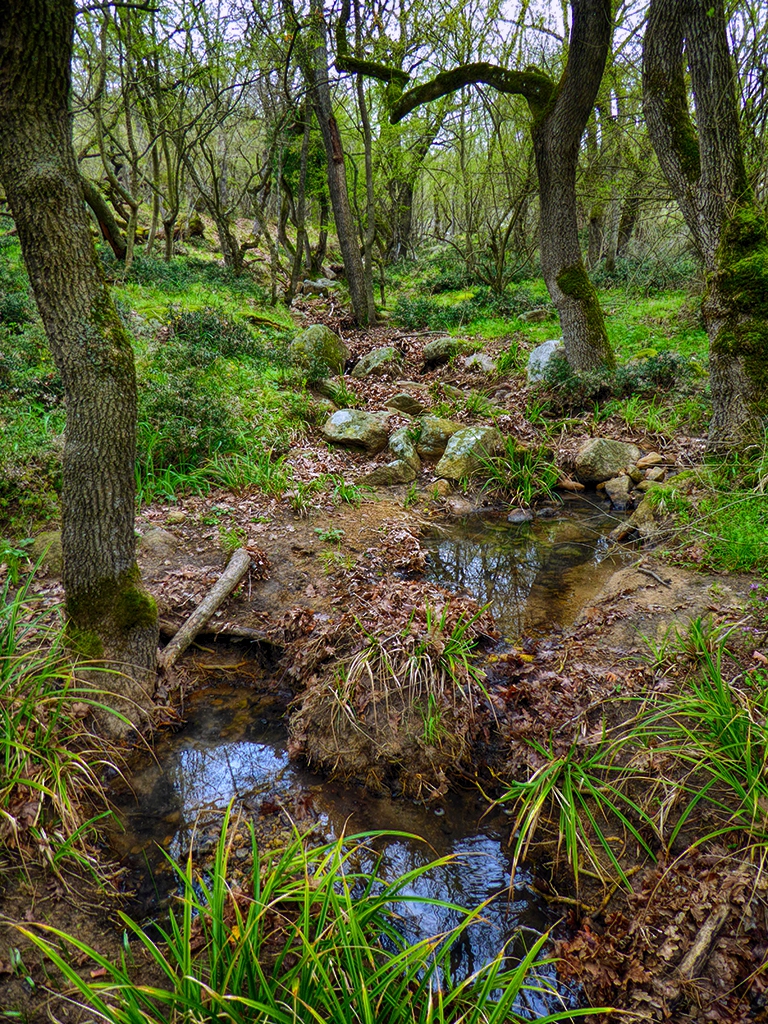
(229,579)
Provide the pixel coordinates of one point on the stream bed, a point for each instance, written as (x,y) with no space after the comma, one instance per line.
(233,747)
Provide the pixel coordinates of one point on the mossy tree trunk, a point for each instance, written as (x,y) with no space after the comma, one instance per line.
(560,111)
(704,166)
(111,619)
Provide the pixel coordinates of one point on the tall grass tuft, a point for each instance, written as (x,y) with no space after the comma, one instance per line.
(49,784)
(309,936)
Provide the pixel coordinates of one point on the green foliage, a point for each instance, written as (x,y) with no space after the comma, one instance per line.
(49,766)
(522,474)
(196,338)
(419,312)
(651,273)
(312,936)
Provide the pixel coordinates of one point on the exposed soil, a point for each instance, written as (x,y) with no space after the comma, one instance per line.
(304,591)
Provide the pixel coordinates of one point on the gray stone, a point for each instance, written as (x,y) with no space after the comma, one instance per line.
(175,517)
(47,546)
(480,361)
(536,316)
(617,489)
(520,515)
(602,458)
(402,446)
(320,287)
(377,362)
(158,542)
(406,403)
(541,357)
(642,523)
(435,434)
(318,345)
(466,450)
(397,472)
(440,350)
(352,428)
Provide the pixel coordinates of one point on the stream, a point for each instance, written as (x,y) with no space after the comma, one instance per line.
(537,576)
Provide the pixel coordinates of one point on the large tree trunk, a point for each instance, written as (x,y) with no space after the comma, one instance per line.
(557,136)
(560,112)
(705,169)
(111,619)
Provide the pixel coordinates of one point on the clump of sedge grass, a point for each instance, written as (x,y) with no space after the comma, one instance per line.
(49,781)
(308,937)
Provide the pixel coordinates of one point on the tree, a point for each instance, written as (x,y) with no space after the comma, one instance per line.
(704,165)
(111,619)
(559,112)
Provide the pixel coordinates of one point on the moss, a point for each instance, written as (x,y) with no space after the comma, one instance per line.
(574,281)
(85,643)
(121,605)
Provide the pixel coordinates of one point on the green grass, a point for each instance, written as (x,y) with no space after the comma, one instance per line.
(307,936)
(521,474)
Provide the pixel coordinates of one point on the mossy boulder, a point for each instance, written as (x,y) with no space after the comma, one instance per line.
(403,402)
(47,547)
(440,351)
(378,362)
(434,436)
(397,472)
(353,428)
(319,347)
(602,458)
(402,445)
(466,450)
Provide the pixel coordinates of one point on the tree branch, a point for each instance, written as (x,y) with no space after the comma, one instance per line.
(356,65)
(534,85)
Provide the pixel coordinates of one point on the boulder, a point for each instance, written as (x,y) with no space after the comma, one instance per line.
(435,434)
(406,403)
(537,315)
(320,287)
(397,472)
(655,473)
(602,458)
(319,346)
(542,356)
(158,542)
(402,446)
(377,362)
(47,548)
(352,428)
(440,351)
(617,489)
(466,450)
(480,361)
(641,523)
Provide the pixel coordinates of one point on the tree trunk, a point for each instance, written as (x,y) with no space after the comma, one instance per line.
(705,168)
(316,72)
(108,226)
(112,621)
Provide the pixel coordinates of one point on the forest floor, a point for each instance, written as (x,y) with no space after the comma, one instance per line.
(688,940)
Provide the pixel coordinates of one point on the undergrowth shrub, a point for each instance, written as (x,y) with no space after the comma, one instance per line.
(650,273)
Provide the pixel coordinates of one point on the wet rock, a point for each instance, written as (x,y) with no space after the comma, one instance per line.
(542,356)
(401,445)
(434,436)
(353,428)
(443,488)
(603,458)
(47,546)
(318,345)
(617,489)
(379,361)
(642,522)
(406,403)
(440,351)
(397,472)
(323,286)
(466,450)
(520,515)
(635,474)
(480,361)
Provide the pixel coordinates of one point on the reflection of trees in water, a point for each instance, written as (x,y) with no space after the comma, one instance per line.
(526,572)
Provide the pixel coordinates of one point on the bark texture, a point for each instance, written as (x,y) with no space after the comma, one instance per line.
(560,112)
(704,166)
(111,619)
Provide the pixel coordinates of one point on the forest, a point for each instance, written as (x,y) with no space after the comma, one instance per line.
(383,518)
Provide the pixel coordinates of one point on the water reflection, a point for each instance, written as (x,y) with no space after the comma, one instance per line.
(238,751)
(536,575)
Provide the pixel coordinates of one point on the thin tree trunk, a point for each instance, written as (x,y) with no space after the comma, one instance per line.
(112,621)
